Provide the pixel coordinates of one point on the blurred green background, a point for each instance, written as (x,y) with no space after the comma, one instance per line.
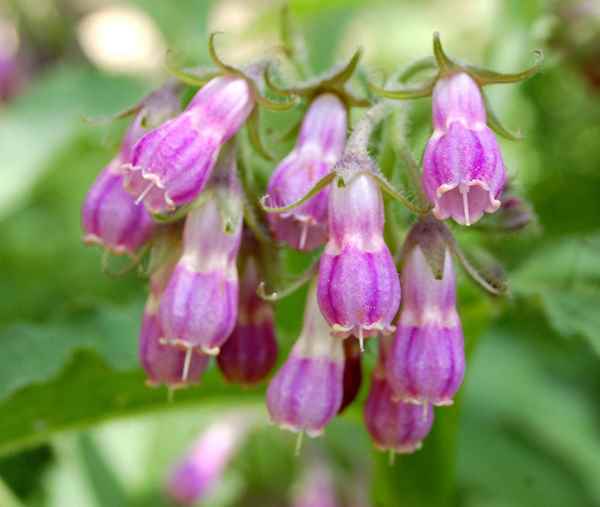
(77,425)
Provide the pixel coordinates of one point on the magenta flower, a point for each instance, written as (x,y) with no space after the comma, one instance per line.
(171,164)
(165,364)
(306,393)
(359,288)
(250,352)
(320,145)
(394,425)
(199,305)
(463,170)
(426,361)
(109,215)
(199,472)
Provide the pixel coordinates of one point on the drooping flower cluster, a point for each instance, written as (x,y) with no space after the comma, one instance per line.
(174,189)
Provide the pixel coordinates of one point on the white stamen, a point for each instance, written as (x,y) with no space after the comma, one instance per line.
(464,190)
(143,195)
(186,364)
(361,340)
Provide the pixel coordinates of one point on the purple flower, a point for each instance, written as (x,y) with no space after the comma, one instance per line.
(352,373)
(171,164)
(110,217)
(320,145)
(359,288)
(250,352)
(463,170)
(426,362)
(154,109)
(199,472)
(165,364)
(394,425)
(306,393)
(199,305)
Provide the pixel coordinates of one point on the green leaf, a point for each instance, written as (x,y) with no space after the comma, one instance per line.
(106,486)
(35,354)
(513,389)
(88,392)
(565,278)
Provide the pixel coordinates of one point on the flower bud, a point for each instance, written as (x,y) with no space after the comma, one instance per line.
(320,145)
(199,472)
(199,305)
(171,164)
(165,364)
(109,214)
(514,214)
(352,373)
(394,425)
(426,362)
(306,393)
(359,288)
(250,352)
(463,170)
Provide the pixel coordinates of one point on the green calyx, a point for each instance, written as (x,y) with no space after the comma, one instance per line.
(447,66)
(333,81)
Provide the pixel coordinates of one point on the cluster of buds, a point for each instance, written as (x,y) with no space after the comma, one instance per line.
(174,189)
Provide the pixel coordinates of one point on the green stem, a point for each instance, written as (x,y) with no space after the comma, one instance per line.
(359,139)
